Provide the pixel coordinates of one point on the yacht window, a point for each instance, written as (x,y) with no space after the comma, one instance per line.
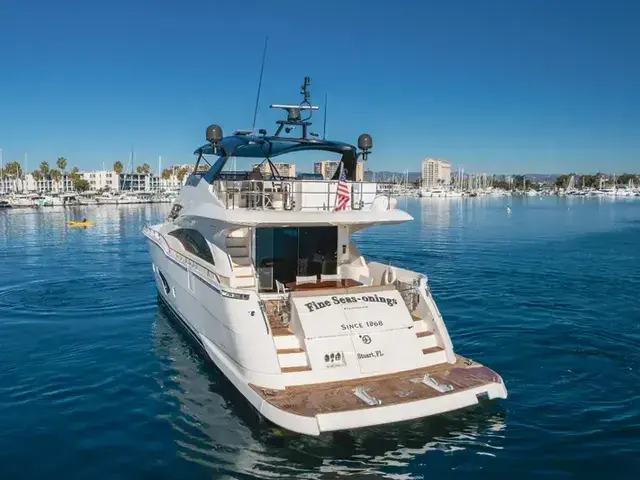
(193,242)
(317,250)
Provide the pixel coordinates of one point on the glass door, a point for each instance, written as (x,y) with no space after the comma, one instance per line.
(264,258)
(276,256)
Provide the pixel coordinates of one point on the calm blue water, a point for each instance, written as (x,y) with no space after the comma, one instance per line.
(96,381)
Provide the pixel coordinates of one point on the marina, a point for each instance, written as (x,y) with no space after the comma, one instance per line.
(119,370)
(398,189)
(423,264)
(74,200)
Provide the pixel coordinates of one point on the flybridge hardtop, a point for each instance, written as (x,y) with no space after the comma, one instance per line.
(245,144)
(263,273)
(254,146)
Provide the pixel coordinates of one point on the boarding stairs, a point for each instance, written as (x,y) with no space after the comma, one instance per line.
(292,356)
(293,341)
(238,246)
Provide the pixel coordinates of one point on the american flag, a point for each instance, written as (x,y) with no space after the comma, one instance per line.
(343,194)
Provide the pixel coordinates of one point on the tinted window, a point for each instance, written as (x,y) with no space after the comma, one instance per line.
(317,250)
(284,253)
(193,242)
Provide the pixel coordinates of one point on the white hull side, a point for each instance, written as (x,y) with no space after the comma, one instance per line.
(217,323)
(221,321)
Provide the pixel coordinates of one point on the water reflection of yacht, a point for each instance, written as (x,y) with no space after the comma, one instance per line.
(263,273)
(214,428)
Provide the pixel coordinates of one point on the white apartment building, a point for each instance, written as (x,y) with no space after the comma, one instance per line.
(110,180)
(47,185)
(9,185)
(28,184)
(284,169)
(102,180)
(435,172)
(173,182)
(326,168)
(98,180)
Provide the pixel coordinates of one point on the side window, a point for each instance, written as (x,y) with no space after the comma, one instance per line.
(193,242)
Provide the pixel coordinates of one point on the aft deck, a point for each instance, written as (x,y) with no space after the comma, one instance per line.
(392,389)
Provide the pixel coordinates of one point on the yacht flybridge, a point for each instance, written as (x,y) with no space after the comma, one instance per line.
(261,270)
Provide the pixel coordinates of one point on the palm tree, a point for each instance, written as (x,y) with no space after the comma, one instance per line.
(37,176)
(118,167)
(44,168)
(62,164)
(146,168)
(56,176)
(166,174)
(14,170)
(139,170)
(181,173)
(75,174)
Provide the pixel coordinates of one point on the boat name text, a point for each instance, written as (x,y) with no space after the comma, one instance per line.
(335,300)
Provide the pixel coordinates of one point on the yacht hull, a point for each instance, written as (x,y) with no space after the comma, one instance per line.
(249,360)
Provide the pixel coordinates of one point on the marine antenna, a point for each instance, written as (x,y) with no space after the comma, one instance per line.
(294,118)
(255,111)
(306,94)
(324,127)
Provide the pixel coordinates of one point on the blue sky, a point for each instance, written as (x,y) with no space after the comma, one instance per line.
(493,86)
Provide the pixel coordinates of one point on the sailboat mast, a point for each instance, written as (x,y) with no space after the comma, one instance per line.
(24,174)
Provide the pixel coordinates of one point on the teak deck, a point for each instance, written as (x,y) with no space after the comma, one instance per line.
(391,389)
(277,327)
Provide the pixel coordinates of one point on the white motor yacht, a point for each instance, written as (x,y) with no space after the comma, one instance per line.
(262,272)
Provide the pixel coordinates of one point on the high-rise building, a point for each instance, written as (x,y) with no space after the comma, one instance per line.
(284,169)
(326,168)
(435,172)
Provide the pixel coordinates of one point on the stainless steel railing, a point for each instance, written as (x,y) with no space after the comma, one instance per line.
(293,194)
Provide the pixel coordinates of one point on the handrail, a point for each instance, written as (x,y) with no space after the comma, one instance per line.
(279,194)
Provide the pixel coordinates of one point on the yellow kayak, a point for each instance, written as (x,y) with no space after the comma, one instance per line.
(80,224)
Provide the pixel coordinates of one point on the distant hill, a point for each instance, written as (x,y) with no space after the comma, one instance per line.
(386,176)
